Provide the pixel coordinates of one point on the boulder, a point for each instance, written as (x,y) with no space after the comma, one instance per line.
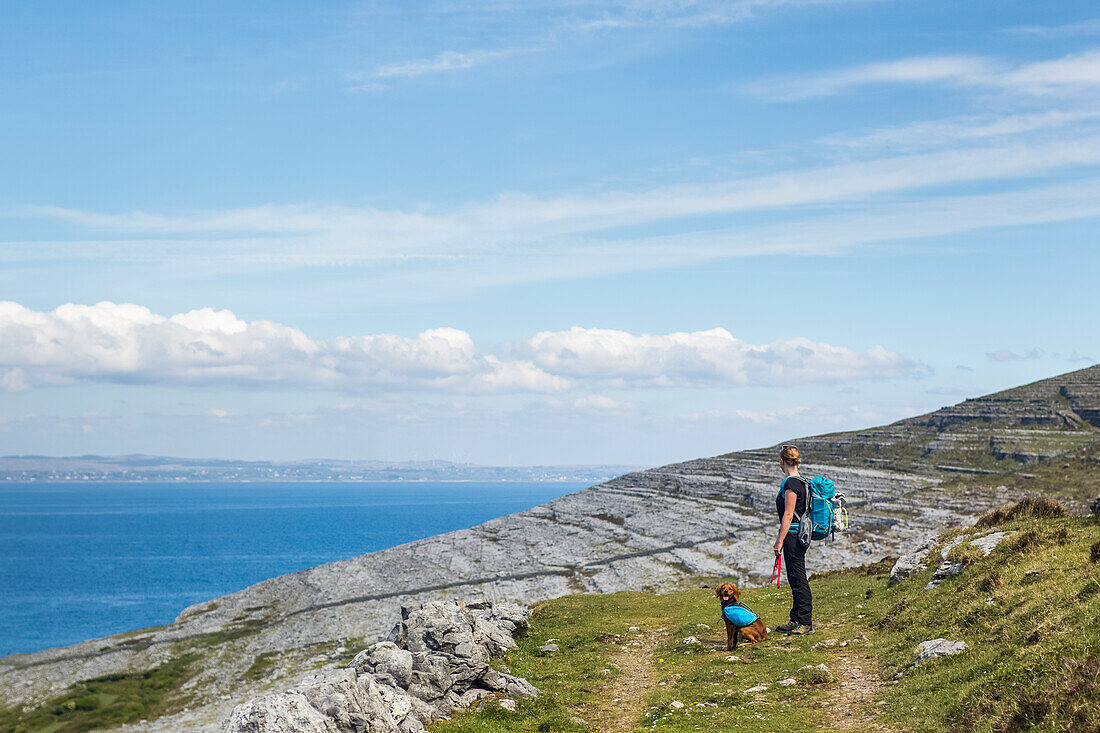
(354,703)
(506,683)
(1095,506)
(935,648)
(435,660)
(288,712)
(911,563)
(389,663)
(431,676)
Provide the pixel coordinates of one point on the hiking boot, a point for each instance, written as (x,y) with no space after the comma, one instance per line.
(787,627)
(801,630)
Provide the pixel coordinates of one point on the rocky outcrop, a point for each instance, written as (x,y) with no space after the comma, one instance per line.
(911,563)
(435,661)
(1031,423)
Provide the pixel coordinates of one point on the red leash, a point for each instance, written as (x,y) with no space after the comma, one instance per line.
(778,568)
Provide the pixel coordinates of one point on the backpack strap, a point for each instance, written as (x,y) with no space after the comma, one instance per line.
(796,522)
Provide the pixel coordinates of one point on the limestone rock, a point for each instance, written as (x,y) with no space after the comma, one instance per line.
(289,712)
(548,648)
(431,676)
(946,570)
(506,683)
(935,648)
(436,661)
(986,543)
(911,563)
(819,671)
(390,664)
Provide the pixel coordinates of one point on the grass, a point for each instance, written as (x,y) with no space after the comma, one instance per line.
(112,700)
(593,630)
(262,665)
(1027,613)
(105,702)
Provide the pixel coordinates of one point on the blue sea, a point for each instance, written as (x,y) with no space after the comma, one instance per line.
(79,561)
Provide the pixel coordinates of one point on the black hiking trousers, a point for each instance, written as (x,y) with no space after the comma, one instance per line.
(794,558)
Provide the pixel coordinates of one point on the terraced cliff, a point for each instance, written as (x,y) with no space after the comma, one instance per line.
(654,529)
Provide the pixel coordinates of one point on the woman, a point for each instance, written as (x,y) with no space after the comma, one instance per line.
(790,502)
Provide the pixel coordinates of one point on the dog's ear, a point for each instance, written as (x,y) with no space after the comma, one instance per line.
(718,591)
(736,593)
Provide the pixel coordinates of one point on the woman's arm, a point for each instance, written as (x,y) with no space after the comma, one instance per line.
(789,500)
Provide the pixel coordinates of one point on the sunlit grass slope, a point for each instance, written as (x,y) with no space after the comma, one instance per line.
(1027,612)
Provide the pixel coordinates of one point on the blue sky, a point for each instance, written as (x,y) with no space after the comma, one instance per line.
(560,232)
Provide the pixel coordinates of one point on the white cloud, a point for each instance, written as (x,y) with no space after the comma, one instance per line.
(516,222)
(798,418)
(129,344)
(601,403)
(915,70)
(550,25)
(1007,355)
(1068,74)
(446,61)
(975,128)
(703,358)
(1090,27)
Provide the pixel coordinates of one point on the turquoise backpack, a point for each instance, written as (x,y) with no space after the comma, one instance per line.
(825,512)
(739,615)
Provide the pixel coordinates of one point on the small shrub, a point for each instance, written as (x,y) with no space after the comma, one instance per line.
(813,676)
(1094,552)
(1033,507)
(990,582)
(869,594)
(1029,539)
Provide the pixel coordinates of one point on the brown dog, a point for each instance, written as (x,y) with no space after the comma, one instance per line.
(729,595)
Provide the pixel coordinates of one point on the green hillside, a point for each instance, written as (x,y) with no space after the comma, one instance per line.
(1027,613)
(991,434)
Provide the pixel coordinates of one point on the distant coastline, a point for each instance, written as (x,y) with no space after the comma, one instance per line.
(31,469)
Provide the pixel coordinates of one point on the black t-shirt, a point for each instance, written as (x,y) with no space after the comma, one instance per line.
(797,484)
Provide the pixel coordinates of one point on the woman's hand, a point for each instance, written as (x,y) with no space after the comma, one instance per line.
(778,547)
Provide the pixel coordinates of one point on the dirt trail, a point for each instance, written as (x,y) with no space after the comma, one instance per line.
(850,705)
(622,701)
